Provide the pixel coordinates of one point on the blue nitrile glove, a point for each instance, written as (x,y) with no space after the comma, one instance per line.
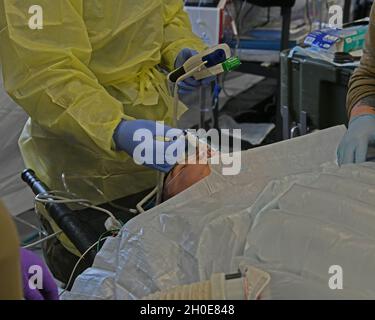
(190,84)
(354,146)
(150,143)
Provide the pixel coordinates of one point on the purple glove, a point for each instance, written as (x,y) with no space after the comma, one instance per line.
(31,267)
(190,84)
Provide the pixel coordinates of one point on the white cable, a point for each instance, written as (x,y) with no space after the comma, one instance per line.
(79,261)
(145,199)
(31,245)
(52,197)
(100,192)
(160,185)
(114,205)
(176,100)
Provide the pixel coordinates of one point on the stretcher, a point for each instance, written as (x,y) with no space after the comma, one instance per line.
(291,212)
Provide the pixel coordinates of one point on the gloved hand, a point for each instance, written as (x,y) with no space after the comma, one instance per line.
(190,84)
(49,288)
(354,146)
(143,141)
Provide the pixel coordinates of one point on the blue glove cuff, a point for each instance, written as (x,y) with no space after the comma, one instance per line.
(362,116)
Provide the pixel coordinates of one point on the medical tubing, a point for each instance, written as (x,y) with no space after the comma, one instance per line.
(160,176)
(65,218)
(175,90)
(146,199)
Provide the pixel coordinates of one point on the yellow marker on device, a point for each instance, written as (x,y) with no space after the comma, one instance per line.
(163,139)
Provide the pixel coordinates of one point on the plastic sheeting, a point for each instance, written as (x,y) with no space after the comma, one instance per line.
(291,212)
(317,221)
(15,194)
(254,133)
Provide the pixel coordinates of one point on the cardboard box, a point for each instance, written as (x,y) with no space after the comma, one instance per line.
(338,40)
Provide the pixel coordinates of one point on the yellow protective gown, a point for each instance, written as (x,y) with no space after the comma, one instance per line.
(93,63)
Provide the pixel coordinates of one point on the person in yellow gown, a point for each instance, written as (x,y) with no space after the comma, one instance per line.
(89,73)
